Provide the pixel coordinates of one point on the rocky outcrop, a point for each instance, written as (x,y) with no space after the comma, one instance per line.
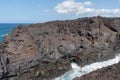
(45,51)
(109,73)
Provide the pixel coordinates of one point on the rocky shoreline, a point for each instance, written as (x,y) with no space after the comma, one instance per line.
(44,51)
(108,73)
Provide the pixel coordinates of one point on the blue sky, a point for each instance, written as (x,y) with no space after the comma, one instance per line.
(34,11)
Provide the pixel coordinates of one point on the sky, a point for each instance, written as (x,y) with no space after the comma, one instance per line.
(35,11)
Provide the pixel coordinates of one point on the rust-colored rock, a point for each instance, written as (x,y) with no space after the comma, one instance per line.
(45,51)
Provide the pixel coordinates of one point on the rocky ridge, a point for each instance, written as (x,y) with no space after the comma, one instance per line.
(44,51)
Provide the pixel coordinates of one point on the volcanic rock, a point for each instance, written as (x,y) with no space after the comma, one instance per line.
(44,51)
(109,73)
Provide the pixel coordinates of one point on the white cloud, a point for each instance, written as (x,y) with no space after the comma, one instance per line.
(80,8)
(107,11)
(70,6)
(87,3)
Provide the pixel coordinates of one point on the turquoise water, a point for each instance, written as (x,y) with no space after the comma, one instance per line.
(6,28)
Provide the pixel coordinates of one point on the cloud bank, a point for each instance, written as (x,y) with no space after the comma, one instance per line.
(80,8)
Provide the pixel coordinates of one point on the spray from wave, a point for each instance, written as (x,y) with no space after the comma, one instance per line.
(80,71)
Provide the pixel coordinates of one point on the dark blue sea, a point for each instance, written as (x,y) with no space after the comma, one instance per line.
(6,28)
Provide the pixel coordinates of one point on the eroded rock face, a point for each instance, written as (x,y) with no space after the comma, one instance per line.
(44,51)
(109,73)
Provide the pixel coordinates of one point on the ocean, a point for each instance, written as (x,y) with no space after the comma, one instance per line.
(6,28)
(78,71)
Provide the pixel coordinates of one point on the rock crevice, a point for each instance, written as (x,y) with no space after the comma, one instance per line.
(45,50)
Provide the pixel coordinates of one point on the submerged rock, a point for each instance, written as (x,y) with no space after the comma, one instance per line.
(45,51)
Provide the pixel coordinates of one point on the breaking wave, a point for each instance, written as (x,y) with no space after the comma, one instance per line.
(80,71)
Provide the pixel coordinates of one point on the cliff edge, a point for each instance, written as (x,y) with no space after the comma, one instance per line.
(44,51)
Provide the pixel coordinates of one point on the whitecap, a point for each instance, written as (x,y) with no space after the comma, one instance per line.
(80,71)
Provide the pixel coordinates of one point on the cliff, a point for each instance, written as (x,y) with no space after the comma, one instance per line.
(44,51)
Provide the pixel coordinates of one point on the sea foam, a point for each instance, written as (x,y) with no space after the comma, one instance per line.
(80,71)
